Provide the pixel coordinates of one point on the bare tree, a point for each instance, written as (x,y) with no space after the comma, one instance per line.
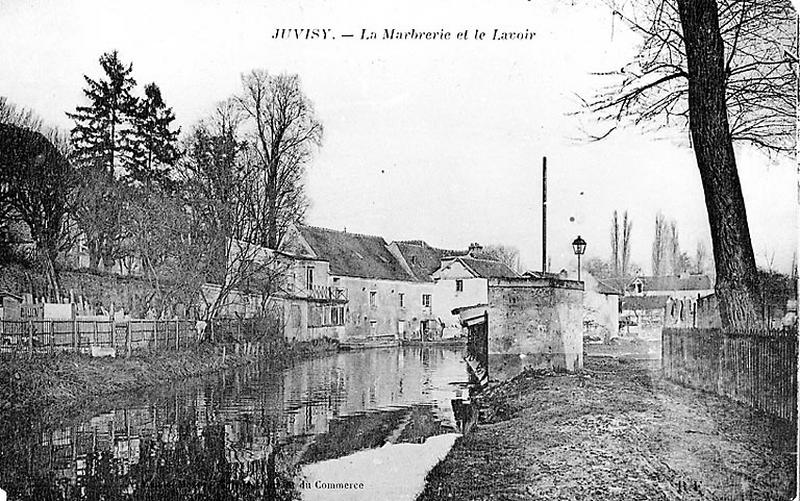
(627,227)
(700,258)
(11,114)
(615,245)
(170,256)
(284,132)
(724,69)
(221,180)
(675,257)
(659,252)
(599,268)
(621,244)
(506,254)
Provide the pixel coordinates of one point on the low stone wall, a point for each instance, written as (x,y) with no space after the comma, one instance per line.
(133,294)
(534,324)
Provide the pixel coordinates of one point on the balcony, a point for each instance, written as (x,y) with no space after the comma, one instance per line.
(320,293)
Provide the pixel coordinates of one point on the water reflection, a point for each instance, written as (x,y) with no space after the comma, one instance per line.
(242,435)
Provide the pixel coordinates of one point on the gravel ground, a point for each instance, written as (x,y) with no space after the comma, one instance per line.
(615,431)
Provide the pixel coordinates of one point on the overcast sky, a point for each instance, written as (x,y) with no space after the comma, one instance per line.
(438,140)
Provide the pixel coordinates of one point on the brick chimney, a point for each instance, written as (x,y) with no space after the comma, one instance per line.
(475,248)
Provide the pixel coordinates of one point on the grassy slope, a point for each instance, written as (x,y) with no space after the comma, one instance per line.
(617,431)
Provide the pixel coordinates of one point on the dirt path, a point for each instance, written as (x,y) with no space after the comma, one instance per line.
(617,431)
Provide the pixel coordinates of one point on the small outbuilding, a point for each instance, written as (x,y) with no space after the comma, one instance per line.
(527,323)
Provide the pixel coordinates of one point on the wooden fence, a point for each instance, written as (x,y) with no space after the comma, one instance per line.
(82,335)
(757,368)
(126,336)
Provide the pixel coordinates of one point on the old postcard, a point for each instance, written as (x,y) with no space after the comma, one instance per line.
(398,250)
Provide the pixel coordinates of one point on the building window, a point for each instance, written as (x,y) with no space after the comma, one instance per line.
(337,315)
(373,298)
(459,285)
(296,316)
(402,300)
(309,278)
(426,300)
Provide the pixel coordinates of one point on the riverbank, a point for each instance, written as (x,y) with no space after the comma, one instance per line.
(615,431)
(62,383)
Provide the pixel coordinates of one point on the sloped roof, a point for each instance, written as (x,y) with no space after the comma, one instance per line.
(540,274)
(353,254)
(422,258)
(616,283)
(677,283)
(660,283)
(486,268)
(608,288)
(643,302)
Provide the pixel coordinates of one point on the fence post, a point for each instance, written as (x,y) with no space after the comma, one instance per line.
(30,336)
(128,339)
(75,334)
(52,333)
(113,333)
(177,333)
(154,323)
(94,332)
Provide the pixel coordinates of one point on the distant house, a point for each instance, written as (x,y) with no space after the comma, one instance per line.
(643,316)
(420,259)
(683,286)
(464,281)
(601,303)
(644,300)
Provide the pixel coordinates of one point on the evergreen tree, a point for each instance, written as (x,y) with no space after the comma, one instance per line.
(101,133)
(102,150)
(153,142)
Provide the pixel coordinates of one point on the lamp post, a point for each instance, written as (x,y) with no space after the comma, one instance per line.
(579,246)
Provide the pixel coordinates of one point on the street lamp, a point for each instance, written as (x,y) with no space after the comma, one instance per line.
(579,246)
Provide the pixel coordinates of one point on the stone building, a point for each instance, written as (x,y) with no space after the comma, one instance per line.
(384,301)
(528,323)
(642,316)
(464,281)
(601,309)
(421,261)
(392,291)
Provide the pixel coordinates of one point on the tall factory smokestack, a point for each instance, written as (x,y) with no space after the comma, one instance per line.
(544,214)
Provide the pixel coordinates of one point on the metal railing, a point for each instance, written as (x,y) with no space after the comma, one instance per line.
(320,293)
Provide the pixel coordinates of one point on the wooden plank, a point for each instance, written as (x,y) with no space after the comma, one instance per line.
(128,339)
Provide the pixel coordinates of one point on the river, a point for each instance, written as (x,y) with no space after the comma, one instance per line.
(363,424)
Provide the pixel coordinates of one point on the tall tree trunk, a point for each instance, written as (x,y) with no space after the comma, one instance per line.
(49,258)
(272,207)
(615,257)
(94,255)
(737,283)
(626,244)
